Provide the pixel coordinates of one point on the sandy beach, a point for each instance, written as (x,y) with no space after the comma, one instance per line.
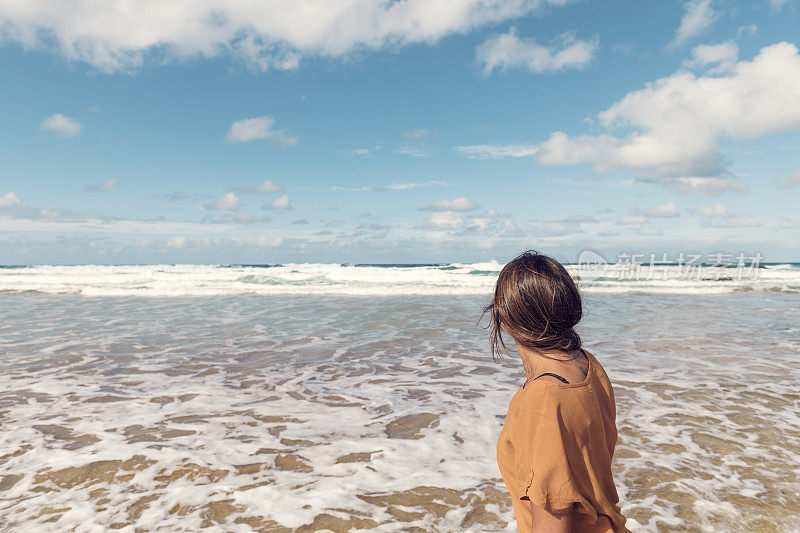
(307,413)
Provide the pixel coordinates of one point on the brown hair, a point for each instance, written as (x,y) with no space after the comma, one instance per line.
(537,303)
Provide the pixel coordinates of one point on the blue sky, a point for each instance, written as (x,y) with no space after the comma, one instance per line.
(416,131)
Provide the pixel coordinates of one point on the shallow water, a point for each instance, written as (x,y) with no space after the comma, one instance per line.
(305,413)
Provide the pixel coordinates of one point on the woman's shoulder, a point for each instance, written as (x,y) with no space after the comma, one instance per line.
(547,393)
(540,396)
(597,368)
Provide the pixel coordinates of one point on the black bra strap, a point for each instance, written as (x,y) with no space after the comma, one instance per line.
(553,375)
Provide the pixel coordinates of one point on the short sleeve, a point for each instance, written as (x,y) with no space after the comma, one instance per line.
(549,479)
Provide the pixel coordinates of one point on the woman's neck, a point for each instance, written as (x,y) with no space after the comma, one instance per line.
(533,360)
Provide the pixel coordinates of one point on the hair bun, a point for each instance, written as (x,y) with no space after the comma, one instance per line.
(572,341)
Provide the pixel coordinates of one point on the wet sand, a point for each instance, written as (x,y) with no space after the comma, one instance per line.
(304,414)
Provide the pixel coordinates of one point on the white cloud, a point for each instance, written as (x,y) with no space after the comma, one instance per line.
(268,34)
(106,186)
(678,121)
(567,226)
(367,151)
(481,224)
(179,241)
(580,218)
(790,182)
(236,218)
(496,151)
(456,204)
(393,186)
(649,230)
(697,17)
(745,221)
(416,151)
(667,210)
(558,228)
(227,202)
(747,30)
(281,202)
(413,185)
(716,210)
(632,220)
(53,220)
(375,226)
(490,223)
(267,187)
(444,220)
(9,199)
(507,51)
(704,186)
(61,125)
(201,243)
(724,56)
(777,5)
(719,216)
(250,129)
(641,217)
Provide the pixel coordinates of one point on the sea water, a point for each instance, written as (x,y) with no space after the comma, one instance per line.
(330,397)
(382,280)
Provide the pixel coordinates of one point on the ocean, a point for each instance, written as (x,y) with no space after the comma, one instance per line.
(305,397)
(383,280)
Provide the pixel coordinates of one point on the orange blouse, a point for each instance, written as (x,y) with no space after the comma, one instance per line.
(556,448)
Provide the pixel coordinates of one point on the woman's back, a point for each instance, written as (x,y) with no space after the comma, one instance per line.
(556,448)
(558,440)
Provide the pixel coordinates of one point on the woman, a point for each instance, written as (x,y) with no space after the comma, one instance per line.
(556,446)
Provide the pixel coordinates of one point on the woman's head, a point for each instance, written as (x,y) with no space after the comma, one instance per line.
(536,303)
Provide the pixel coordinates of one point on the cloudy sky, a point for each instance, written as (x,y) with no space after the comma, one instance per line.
(404,131)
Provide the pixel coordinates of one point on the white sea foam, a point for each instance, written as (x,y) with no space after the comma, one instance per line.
(706,399)
(366,280)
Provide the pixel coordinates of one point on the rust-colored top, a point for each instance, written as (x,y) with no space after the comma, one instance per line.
(556,448)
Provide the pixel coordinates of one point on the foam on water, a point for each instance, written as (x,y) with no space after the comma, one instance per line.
(367,280)
(308,413)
